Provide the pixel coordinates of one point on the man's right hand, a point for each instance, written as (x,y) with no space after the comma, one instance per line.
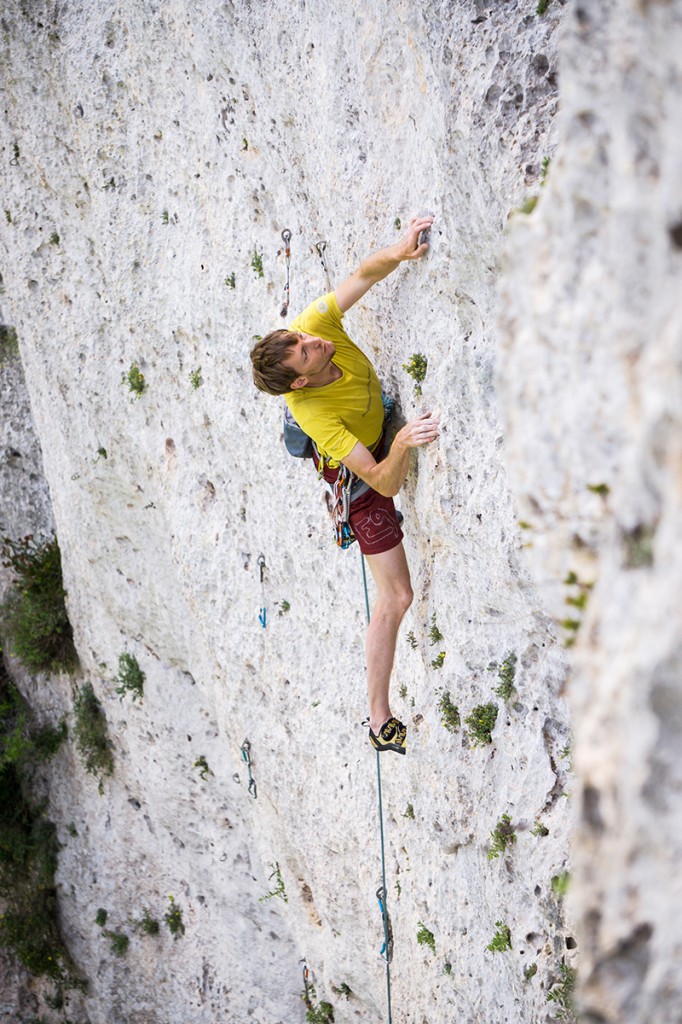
(422,430)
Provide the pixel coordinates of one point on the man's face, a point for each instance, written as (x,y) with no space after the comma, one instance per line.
(309,357)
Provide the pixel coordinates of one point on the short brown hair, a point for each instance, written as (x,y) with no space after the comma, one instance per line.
(266,356)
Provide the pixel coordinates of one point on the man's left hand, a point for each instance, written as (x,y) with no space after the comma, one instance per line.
(409,248)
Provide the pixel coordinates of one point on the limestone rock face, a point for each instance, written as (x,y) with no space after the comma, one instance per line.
(153,154)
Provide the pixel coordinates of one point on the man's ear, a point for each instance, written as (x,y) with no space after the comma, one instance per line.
(300,382)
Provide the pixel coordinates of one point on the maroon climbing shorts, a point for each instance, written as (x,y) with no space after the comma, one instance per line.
(373,518)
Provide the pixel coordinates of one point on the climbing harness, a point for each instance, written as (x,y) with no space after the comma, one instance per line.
(286,238)
(387,948)
(262,611)
(246,754)
(321,247)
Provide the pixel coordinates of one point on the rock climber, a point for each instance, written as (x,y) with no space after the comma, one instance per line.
(335,397)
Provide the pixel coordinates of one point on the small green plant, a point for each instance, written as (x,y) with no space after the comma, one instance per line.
(101,917)
(165,217)
(409,812)
(101,454)
(16,153)
(398,889)
(449,713)
(342,990)
(416,368)
(279,889)
(284,607)
(34,615)
(481,723)
(426,937)
(402,692)
(412,640)
(230,280)
(506,675)
(257,263)
(9,343)
(195,378)
(502,836)
(530,971)
(539,830)
(91,734)
(544,169)
(601,489)
(245,143)
(437,662)
(54,238)
(202,764)
(147,924)
(447,967)
(134,378)
(130,677)
(397,224)
(435,635)
(562,993)
(317,1013)
(560,884)
(173,918)
(501,940)
(8,216)
(119,941)
(542,7)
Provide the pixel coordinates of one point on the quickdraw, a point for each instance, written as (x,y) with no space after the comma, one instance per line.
(286,238)
(321,247)
(343,533)
(386,950)
(262,611)
(306,987)
(246,754)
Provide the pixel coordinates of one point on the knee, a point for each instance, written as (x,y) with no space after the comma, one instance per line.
(403,598)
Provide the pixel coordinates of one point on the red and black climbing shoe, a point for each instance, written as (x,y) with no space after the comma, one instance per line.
(392,736)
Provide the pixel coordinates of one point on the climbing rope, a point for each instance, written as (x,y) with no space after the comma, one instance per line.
(286,238)
(246,754)
(321,247)
(262,611)
(387,949)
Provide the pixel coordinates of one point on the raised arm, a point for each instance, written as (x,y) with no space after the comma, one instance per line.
(381,263)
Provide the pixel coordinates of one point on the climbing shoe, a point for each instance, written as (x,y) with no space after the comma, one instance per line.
(392,736)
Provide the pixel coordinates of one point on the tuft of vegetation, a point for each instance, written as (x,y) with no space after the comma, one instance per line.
(92,735)
(542,7)
(196,379)
(449,713)
(342,990)
(501,940)
(601,489)
(426,937)
(230,280)
(284,607)
(435,635)
(134,378)
(506,675)
(9,343)
(34,616)
(101,454)
(412,641)
(28,848)
(528,205)
(257,263)
(278,889)
(101,917)
(437,662)
(416,367)
(147,924)
(544,169)
(54,238)
(317,1013)
(539,830)
(560,884)
(502,836)
(173,918)
(130,677)
(481,723)
(119,941)
(562,993)
(397,224)
(202,764)
(530,971)
(409,812)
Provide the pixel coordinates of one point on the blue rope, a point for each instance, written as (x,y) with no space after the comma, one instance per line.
(388,941)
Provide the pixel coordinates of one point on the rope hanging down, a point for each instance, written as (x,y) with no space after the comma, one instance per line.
(387,949)
(286,238)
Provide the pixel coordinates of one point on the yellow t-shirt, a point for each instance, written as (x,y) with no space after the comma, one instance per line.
(348,410)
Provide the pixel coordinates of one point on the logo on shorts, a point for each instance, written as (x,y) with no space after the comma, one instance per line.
(322,306)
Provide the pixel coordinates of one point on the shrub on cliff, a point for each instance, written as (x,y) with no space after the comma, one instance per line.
(34,615)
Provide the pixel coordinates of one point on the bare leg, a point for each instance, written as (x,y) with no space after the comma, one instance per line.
(394,596)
